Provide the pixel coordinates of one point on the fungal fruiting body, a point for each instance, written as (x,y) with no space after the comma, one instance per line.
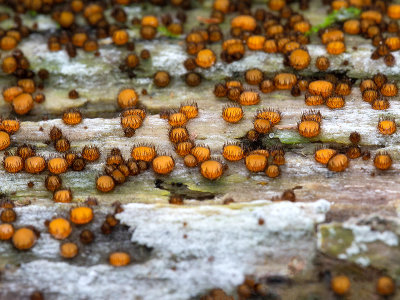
(382,161)
(60,228)
(385,286)
(309,128)
(57,165)
(211,169)
(127,98)
(274,116)
(105,183)
(13,164)
(338,163)
(69,250)
(81,215)
(232,152)
(62,196)
(201,153)
(387,126)
(24,238)
(340,285)
(232,113)
(256,162)
(119,259)
(143,152)
(163,164)
(35,164)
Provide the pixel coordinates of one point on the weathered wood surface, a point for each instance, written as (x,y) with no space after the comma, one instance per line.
(354,230)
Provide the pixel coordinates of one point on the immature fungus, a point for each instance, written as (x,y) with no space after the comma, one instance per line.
(62,145)
(190,161)
(382,161)
(143,152)
(127,98)
(353,152)
(312,100)
(11,92)
(119,259)
(335,101)
(90,153)
(232,152)
(62,196)
(163,164)
(262,126)
(256,162)
(120,37)
(178,135)
(177,119)
(72,117)
(6,231)
(232,113)
(183,148)
(105,183)
(320,87)
(190,110)
(60,228)
(309,128)
(211,169)
(272,115)
(340,285)
(389,89)
(285,81)
(201,153)
(55,133)
(131,121)
(13,164)
(69,250)
(272,171)
(338,163)
(322,63)
(81,215)
(266,86)
(299,59)
(161,79)
(387,126)
(370,95)
(385,286)
(22,104)
(24,238)
(53,183)
(35,164)
(335,47)
(8,215)
(247,23)
(253,76)
(57,165)
(324,155)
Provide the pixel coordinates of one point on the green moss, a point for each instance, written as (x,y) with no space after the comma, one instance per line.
(335,239)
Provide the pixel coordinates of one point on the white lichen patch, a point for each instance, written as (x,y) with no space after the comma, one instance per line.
(194,250)
(357,242)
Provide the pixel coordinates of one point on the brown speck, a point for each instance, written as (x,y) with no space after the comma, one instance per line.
(228,201)
(30,184)
(261,221)
(73,94)
(41,128)
(185,236)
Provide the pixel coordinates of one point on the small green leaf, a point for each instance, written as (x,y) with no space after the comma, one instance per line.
(164,31)
(336,15)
